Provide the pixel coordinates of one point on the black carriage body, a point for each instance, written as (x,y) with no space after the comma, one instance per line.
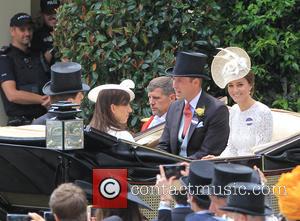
(30,172)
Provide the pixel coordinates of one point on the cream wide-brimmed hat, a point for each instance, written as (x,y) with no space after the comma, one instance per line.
(230,64)
(125,85)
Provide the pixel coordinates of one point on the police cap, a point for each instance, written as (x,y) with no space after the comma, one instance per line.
(20,19)
(49,6)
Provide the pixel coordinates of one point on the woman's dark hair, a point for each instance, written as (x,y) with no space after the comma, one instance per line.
(131,213)
(103,118)
(250,77)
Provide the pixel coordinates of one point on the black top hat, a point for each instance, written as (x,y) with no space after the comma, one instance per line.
(189,64)
(65,79)
(49,6)
(199,178)
(247,198)
(226,173)
(20,20)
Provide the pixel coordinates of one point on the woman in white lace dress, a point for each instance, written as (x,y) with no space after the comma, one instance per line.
(112,108)
(250,121)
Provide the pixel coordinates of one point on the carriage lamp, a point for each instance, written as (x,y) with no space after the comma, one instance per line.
(65,130)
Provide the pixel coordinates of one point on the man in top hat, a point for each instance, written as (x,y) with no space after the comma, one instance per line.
(22,75)
(197,124)
(65,85)
(200,175)
(223,174)
(160,95)
(246,202)
(42,39)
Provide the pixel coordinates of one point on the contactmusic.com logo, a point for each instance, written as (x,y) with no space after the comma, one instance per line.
(110,188)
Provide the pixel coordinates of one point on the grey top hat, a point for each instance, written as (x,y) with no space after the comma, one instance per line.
(247,198)
(65,79)
(199,178)
(189,64)
(226,173)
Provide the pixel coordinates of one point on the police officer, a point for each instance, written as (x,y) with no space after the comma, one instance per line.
(22,75)
(42,40)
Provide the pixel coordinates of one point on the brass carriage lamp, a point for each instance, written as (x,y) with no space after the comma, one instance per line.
(65,130)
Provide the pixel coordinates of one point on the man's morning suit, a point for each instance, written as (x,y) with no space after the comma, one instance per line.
(208,134)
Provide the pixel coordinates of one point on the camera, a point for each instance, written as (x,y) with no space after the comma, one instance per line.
(48,216)
(18,217)
(173,170)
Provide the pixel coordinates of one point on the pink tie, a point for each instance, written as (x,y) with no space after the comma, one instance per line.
(187,118)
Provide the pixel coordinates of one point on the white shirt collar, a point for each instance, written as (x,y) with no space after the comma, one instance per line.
(203,212)
(194,101)
(162,118)
(157,120)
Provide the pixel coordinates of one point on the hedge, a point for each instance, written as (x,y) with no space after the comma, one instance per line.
(114,40)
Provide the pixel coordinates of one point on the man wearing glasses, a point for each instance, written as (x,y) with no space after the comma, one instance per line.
(22,75)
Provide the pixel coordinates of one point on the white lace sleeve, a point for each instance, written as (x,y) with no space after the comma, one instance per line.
(230,150)
(265,128)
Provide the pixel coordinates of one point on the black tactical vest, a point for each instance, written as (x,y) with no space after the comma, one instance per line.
(29,76)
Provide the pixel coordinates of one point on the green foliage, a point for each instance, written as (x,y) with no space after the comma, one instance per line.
(114,40)
(269,31)
(137,39)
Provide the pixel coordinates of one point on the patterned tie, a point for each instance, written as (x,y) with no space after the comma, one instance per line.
(187,118)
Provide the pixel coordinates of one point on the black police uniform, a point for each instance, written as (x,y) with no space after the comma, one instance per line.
(27,71)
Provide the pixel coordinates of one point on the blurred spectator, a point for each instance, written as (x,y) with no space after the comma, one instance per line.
(165,211)
(42,39)
(287,191)
(223,174)
(131,213)
(67,202)
(246,202)
(200,175)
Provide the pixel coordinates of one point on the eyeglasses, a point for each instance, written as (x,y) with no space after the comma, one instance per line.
(28,62)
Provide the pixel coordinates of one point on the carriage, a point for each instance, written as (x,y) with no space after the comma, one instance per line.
(30,172)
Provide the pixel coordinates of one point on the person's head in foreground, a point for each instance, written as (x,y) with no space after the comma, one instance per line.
(223,174)
(188,74)
(246,202)
(231,67)
(200,175)
(131,213)
(48,12)
(21,30)
(287,191)
(65,83)
(68,202)
(112,107)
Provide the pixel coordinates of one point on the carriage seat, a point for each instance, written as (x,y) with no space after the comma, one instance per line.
(285,124)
